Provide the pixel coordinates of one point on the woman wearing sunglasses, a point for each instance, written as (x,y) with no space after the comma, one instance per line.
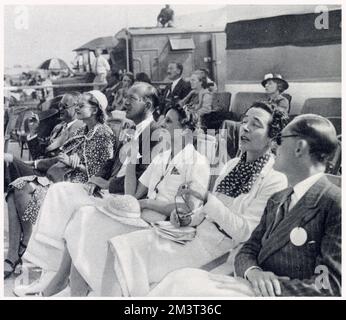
(225,220)
(80,157)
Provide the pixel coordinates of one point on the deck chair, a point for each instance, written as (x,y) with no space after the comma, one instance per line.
(334,162)
(221,101)
(289,98)
(232,136)
(243,100)
(220,106)
(334,179)
(336,121)
(326,107)
(206,145)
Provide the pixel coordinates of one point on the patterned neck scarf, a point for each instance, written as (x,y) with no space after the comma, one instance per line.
(242,177)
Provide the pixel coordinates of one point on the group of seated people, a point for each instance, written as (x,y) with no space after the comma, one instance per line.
(195,94)
(109,213)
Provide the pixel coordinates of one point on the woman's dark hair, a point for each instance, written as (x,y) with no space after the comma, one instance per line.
(143,77)
(100,116)
(280,86)
(319,133)
(279,119)
(186,118)
(130,76)
(202,78)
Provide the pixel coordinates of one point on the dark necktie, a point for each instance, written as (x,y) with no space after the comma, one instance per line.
(169,91)
(283,210)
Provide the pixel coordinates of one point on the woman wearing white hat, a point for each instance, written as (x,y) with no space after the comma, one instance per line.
(87,232)
(275,85)
(80,158)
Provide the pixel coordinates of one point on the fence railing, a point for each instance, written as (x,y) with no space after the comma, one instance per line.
(66,85)
(70,85)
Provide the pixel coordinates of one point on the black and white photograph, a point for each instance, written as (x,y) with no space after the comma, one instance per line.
(172,151)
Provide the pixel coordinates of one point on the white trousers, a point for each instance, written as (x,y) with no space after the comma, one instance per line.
(198,283)
(47,243)
(142,258)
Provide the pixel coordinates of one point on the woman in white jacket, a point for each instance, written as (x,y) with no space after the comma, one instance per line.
(83,241)
(230,213)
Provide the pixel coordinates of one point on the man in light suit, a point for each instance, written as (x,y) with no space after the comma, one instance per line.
(46,149)
(296,248)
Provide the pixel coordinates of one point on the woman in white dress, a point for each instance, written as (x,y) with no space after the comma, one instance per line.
(230,213)
(89,229)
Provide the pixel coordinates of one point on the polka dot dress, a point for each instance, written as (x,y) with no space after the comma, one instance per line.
(94,148)
(242,177)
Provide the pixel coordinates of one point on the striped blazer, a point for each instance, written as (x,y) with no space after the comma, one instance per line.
(314,268)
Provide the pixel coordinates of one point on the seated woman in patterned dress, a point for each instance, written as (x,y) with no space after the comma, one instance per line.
(86,232)
(82,156)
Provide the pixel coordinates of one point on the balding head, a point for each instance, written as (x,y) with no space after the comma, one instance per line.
(142,99)
(68,104)
(147,92)
(319,132)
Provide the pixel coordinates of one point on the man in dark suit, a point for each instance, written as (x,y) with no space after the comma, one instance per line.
(296,248)
(142,99)
(177,90)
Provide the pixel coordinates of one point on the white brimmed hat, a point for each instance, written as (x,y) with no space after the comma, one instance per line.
(101,99)
(275,77)
(123,208)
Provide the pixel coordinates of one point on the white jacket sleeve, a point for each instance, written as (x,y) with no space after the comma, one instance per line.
(239,225)
(199,178)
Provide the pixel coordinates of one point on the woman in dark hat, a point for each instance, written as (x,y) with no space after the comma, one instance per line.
(275,85)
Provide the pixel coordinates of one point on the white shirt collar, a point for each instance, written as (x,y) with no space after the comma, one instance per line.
(303,186)
(142,125)
(174,83)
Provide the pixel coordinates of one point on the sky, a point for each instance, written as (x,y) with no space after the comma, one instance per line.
(33,34)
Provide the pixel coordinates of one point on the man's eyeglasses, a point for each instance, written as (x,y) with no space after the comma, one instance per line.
(279,137)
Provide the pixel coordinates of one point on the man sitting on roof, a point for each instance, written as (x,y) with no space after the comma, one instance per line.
(165,17)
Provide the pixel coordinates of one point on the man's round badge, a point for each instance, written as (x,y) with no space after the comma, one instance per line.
(298,236)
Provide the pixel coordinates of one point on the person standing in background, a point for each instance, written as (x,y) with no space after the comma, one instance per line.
(100,68)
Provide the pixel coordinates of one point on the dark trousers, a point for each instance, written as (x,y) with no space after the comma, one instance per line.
(19,168)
